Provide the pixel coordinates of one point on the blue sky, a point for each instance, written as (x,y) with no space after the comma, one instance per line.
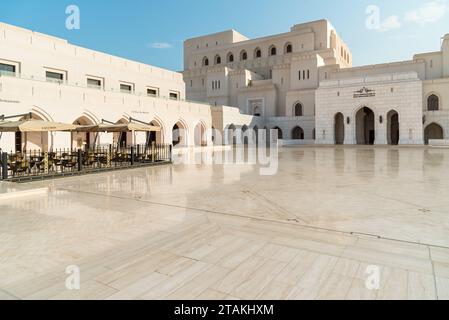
(152,31)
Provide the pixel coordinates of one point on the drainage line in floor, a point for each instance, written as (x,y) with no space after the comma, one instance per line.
(351,233)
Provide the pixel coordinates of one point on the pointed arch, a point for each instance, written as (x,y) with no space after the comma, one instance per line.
(298,109)
(200,134)
(393,132)
(230,57)
(339,128)
(257,53)
(297,133)
(158,136)
(433,131)
(180,133)
(243,55)
(280,133)
(433,102)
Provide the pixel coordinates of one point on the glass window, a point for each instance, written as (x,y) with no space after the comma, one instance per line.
(126,88)
(94,83)
(54,76)
(7,69)
(174,95)
(152,92)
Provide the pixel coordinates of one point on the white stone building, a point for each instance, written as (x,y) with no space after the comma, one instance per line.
(303,84)
(58,81)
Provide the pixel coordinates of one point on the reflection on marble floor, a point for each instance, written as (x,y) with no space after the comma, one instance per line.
(225,232)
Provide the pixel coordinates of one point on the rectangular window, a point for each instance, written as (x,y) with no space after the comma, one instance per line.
(94,83)
(7,69)
(299,74)
(53,76)
(126,88)
(174,95)
(152,92)
(304,74)
(308,74)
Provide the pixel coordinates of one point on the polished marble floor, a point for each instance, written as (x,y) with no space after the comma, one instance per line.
(312,231)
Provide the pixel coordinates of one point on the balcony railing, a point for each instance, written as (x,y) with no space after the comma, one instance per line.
(38,165)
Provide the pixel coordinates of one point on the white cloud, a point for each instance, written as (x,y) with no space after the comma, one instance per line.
(431,12)
(160,45)
(390,23)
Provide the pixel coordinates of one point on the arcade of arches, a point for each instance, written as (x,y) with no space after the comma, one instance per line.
(365,127)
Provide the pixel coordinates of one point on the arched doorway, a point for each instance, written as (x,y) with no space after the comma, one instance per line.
(256,134)
(433,132)
(365,126)
(179,134)
(339,128)
(156,136)
(34,141)
(393,127)
(122,139)
(200,135)
(298,133)
(80,140)
(280,134)
(229,135)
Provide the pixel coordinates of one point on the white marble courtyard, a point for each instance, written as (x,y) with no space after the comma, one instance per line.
(225,232)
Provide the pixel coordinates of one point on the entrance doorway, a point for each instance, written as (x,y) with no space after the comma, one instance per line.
(339,128)
(433,132)
(365,126)
(393,128)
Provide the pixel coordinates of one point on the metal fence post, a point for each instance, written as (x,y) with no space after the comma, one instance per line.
(108,157)
(132,155)
(153,151)
(46,162)
(80,160)
(4,165)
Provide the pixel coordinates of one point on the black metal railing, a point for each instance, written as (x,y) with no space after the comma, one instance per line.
(32,165)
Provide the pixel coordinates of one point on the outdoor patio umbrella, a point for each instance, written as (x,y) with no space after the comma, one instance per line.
(104,127)
(34,126)
(120,128)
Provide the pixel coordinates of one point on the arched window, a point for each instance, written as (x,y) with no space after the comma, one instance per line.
(257,53)
(243,56)
(288,48)
(298,110)
(217,59)
(433,103)
(230,57)
(205,62)
(273,51)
